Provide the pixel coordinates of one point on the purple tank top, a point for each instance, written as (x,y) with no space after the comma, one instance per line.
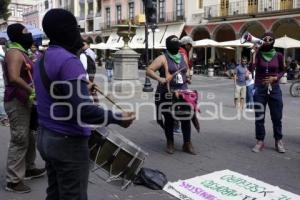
(173,68)
(12,91)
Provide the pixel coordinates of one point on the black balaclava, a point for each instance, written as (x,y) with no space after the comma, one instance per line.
(172,44)
(62,29)
(267,47)
(15,34)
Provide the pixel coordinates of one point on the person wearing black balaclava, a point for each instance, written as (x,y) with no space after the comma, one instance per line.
(63,135)
(18,98)
(173,75)
(269,67)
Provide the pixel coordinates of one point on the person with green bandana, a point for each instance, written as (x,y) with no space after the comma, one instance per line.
(173,75)
(18,97)
(269,67)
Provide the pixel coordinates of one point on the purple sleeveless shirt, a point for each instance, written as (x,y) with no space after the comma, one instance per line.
(12,91)
(173,68)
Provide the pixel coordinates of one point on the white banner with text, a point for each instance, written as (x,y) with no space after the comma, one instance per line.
(226,185)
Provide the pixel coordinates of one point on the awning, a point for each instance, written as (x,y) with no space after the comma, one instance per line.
(138,41)
(174,29)
(286,43)
(115,41)
(102,46)
(36,33)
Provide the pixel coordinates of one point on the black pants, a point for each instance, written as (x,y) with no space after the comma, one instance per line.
(163,108)
(67,164)
(169,127)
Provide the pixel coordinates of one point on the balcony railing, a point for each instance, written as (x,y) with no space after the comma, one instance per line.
(250,8)
(170,17)
(167,18)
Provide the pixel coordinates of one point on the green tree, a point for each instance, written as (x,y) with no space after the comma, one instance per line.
(4,12)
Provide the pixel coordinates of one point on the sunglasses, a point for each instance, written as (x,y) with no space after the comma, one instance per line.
(268,39)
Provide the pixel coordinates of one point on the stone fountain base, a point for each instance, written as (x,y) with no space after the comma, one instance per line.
(126,75)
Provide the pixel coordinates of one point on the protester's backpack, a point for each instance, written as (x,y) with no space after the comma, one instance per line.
(91,66)
(151,178)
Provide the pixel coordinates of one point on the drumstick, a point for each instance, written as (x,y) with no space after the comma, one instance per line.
(108,98)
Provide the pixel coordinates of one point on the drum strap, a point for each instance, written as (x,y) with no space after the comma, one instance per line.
(46,80)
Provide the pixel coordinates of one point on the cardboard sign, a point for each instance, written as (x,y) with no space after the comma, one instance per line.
(226,185)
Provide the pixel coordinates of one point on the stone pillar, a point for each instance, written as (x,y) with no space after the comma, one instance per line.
(213,53)
(238,54)
(126,75)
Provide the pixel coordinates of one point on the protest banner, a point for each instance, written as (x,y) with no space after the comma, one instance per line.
(226,185)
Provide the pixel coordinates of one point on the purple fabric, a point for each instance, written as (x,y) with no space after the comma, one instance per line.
(12,91)
(263,68)
(60,65)
(173,68)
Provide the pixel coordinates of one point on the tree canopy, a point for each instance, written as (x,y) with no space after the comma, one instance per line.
(4,12)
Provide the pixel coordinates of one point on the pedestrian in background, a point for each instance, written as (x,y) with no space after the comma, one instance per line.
(269,67)
(34,52)
(240,76)
(250,91)
(18,102)
(88,59)
(109,66)
(186,45)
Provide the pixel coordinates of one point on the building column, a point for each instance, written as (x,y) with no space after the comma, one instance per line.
(213,53)
(238,54)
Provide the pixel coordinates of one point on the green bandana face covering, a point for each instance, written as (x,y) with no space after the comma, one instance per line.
(268,55)
(15,45)
(176,58)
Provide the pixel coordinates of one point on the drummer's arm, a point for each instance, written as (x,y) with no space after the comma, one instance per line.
(89,112)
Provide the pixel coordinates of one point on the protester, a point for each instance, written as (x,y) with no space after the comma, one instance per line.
(109,66)
(186,43)
(18,102)
(3,117)
(240,76)
(171,78)
(63,140)
(269,67)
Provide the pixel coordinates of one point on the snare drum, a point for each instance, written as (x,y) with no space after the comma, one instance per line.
(117,155)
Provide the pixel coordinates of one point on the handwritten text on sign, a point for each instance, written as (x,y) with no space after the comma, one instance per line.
(226,185)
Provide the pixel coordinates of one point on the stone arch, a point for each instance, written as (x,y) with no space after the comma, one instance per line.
(98,39)
(224,32)
(199,33)
(256,28)
(291,28)
(89,40)
(286,26)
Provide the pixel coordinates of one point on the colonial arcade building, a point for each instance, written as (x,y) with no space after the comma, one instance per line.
(226,20)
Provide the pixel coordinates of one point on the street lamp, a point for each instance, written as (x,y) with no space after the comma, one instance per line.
(150,12)
(154,30)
